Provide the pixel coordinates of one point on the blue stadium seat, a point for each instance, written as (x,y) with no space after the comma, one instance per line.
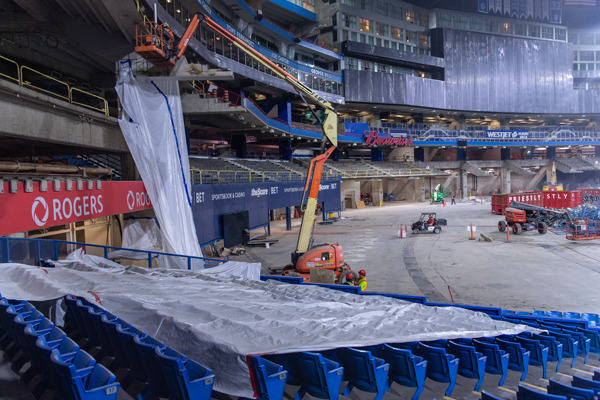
(525,393)
(406,369)
(365,372)
(568,342)
(538,353)
(470,362)
(573,393)
(269,378)
(319,377)
(518,357)
(73,322)
(110,328)
(155,377)
(555,349)
(584,383)
(126,336)
(488,396)
(186,379)
(583,348)
(81,382)
(441,367)
(596,376)
(288,363)
(593,319)
(594,336)
(497,359)
(95,316)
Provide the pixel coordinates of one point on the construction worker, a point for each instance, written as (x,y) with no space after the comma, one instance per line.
(168,39)
(430,221)
(362,280)
(350,280)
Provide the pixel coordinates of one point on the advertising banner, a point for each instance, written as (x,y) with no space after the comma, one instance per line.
(355,129)
(211,202)
(494,134)
(27,210)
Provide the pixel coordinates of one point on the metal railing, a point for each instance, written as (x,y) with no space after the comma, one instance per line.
(205,176)
(31,251)
(28,77)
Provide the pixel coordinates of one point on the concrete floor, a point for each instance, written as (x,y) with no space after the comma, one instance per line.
(531,271)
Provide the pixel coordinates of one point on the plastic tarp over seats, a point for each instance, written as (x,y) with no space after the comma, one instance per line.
(152,124)
(139,234)
(218,320)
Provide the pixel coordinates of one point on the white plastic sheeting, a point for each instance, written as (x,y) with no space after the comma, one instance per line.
(140,234)
(152,123)
(218,319)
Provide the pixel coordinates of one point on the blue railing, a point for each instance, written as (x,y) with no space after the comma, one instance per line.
(31,251)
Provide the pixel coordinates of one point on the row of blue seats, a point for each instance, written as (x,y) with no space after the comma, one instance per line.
(588,338)
(593,319)
(48,359)
(579,389)
(136,357)
(374,368)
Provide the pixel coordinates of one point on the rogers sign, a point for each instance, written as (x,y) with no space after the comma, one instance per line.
(45,209)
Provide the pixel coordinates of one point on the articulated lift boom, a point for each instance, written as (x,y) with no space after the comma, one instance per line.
(329,126)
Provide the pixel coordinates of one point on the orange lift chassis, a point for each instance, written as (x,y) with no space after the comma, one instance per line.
(328,256)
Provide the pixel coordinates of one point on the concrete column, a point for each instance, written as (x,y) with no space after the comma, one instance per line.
(377,192)
(597,151)
(418,190)
(464,183)
(461,154)
(505,185)
(288,219)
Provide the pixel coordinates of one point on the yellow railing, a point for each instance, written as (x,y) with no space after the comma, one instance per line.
(36,80)
(17,70)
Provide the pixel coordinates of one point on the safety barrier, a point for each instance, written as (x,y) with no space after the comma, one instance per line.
(33,251)
(204,177)
(28,77)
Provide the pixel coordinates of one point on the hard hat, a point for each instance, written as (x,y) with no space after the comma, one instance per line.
(349,277)
(362,272)
(166,25)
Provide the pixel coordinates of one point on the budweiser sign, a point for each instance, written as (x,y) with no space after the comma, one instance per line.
(390,140)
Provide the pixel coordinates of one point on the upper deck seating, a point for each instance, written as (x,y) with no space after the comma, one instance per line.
(470,362)
(525,393)
(518,357)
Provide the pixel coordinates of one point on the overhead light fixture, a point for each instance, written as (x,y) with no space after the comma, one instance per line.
(253,125)
(298,137)
(271,130)
(314,140)
(282,135)
(353,144)
(241,117)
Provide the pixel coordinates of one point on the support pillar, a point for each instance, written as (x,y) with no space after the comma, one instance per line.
(376,154)
(285,150)
(505,153)
(505,176)
(464,183)
(461,154)
(551,153)
(377,192)
(288,219)
(419,154)
(238,144)
(284,111)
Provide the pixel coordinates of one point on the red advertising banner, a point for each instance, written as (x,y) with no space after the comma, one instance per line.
(23,211)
